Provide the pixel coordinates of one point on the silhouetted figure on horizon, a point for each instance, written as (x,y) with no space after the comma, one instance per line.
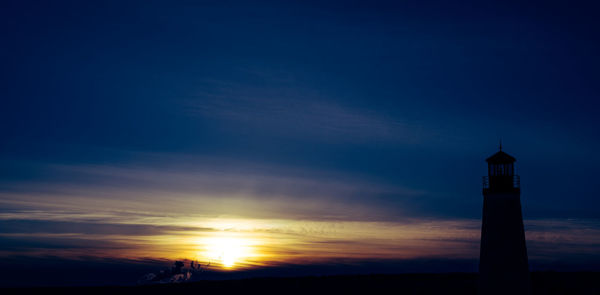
(503,265)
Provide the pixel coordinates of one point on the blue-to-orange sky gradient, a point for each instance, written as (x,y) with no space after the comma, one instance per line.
(291,137)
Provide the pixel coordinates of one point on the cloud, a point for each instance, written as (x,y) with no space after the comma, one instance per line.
(301,116)
(45,226)
(35,244)
(212,189)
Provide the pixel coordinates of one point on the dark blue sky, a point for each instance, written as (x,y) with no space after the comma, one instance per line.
(416,94)
(388,106)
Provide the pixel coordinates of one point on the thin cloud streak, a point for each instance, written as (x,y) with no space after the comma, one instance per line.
(279,241)
(229,191)
(305,117)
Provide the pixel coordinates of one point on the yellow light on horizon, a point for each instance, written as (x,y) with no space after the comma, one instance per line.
(228,251)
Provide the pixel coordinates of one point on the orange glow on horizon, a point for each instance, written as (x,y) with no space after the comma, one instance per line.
(235,243)
(227,251)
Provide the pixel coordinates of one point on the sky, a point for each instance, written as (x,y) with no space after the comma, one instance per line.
(299,137)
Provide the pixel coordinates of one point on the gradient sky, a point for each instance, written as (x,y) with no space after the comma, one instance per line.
(314,133)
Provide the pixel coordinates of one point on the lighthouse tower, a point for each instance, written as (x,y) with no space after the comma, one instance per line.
(503,266)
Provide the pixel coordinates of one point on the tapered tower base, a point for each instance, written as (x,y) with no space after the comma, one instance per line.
(503,265)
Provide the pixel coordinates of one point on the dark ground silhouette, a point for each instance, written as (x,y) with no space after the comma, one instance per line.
(453,283)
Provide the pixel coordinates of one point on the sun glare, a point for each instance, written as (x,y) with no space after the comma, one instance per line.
(229,252)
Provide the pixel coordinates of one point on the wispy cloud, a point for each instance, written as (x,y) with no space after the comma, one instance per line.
(307,115)
(232,191)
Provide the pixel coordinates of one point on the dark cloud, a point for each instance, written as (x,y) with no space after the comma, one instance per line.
(65,227)
(31,244)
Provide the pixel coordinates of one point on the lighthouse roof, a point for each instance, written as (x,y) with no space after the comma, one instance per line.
(500,157)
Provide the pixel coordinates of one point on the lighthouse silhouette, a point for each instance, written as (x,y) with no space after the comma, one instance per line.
(503,265)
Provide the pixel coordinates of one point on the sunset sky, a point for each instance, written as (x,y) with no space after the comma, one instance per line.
(292,136)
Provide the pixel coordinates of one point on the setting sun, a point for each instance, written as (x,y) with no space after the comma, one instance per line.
(228,252)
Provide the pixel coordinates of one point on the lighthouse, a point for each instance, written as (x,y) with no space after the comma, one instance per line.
(503,265)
